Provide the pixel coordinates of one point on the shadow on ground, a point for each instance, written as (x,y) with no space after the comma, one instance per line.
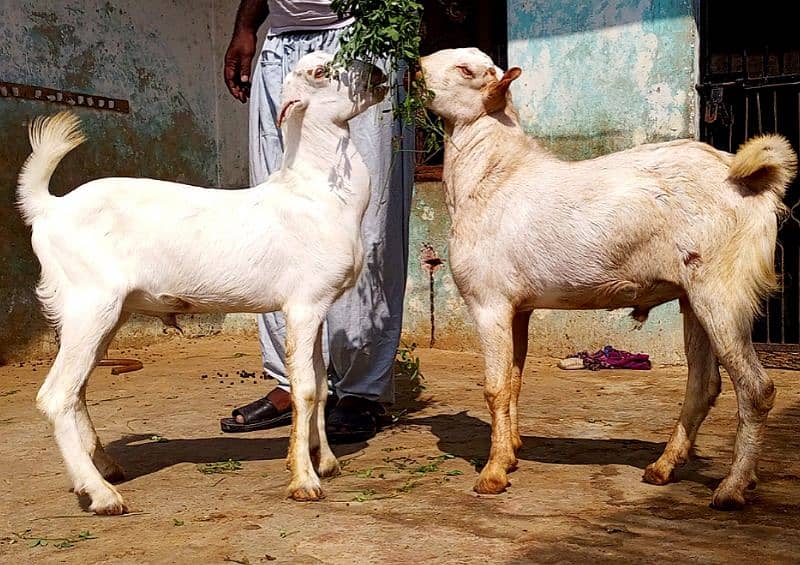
(468,438)
(667,519)
(140,455)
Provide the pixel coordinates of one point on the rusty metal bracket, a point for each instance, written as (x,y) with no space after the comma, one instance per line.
(65,97)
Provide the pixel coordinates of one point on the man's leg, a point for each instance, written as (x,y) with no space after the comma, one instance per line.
(364,325)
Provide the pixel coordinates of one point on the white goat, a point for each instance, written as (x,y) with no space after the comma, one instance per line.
(119,245)
(676,220)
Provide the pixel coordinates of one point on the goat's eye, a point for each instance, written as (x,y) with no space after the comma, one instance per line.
(465,72)
(319,72)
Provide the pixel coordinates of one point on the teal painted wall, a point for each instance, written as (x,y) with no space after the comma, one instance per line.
(598,76)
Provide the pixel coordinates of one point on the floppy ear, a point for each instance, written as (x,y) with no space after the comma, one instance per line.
(494,95)
(288,108)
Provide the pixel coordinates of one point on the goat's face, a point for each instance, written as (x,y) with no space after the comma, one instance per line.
(335,93)
(466,84)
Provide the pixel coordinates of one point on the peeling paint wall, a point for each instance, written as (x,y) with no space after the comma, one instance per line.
(598,76)
(165,57)
(601,76)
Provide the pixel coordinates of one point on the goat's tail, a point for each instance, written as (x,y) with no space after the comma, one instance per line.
(51,138)
(765,163)
(764,166)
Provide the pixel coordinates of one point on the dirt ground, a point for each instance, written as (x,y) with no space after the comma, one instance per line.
(406,495)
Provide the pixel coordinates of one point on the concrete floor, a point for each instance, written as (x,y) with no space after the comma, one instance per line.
(405,495)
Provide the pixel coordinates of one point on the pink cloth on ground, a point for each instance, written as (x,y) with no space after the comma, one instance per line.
(610,358)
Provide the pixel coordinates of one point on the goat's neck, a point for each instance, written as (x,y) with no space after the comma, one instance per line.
(478,154)
(326,147)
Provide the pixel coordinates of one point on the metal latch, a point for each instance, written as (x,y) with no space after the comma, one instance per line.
(714,105)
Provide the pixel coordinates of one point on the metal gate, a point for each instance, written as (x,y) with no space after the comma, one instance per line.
(750,84)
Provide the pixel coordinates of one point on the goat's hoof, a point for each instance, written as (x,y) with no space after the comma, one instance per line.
(111,504)
(329,468)
(727,501)
(654,475)
(309,493)
(113,473)
(493,484)
(727,498)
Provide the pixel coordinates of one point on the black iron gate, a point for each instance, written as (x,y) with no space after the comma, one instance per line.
(750,84)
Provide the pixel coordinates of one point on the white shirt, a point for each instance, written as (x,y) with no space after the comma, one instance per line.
(302,15)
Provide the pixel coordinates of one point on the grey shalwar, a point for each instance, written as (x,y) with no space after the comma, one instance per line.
(363,326)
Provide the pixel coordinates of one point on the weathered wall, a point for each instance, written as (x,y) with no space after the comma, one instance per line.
(598,76)
(164,56)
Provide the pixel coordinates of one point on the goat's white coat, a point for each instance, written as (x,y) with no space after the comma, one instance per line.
(631,229)
(115,246)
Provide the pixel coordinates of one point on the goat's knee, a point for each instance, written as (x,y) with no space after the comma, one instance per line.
(762,396)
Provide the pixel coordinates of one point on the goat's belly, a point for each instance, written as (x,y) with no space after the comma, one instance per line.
(167,303)
(620,294)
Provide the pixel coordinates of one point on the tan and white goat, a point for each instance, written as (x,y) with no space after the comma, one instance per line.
(115,246)
(676,220)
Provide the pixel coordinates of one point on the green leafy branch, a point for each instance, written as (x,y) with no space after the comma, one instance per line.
(60,543)
(389,30)
(408,366)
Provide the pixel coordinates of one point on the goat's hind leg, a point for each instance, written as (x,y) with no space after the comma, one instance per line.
(86,325)
(702,389)
(107,465)
(729,328)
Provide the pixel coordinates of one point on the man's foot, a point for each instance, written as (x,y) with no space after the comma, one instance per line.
(354,419)
(272,411)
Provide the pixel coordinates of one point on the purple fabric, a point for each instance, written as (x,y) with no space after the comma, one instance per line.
(610,358)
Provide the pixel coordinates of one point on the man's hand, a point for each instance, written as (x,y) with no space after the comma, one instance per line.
(238,62)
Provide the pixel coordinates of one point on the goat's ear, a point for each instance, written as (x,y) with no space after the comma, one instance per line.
(290,107)
(494,95)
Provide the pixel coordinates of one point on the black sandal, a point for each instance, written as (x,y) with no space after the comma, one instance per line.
(260,414)
(354,419)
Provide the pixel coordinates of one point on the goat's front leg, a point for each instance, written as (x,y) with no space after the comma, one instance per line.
(302,328)
(494,329)
(520,329)
(322,457)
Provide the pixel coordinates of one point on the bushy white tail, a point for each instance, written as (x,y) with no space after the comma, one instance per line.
(767,162)
(765,165)
(51,138)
